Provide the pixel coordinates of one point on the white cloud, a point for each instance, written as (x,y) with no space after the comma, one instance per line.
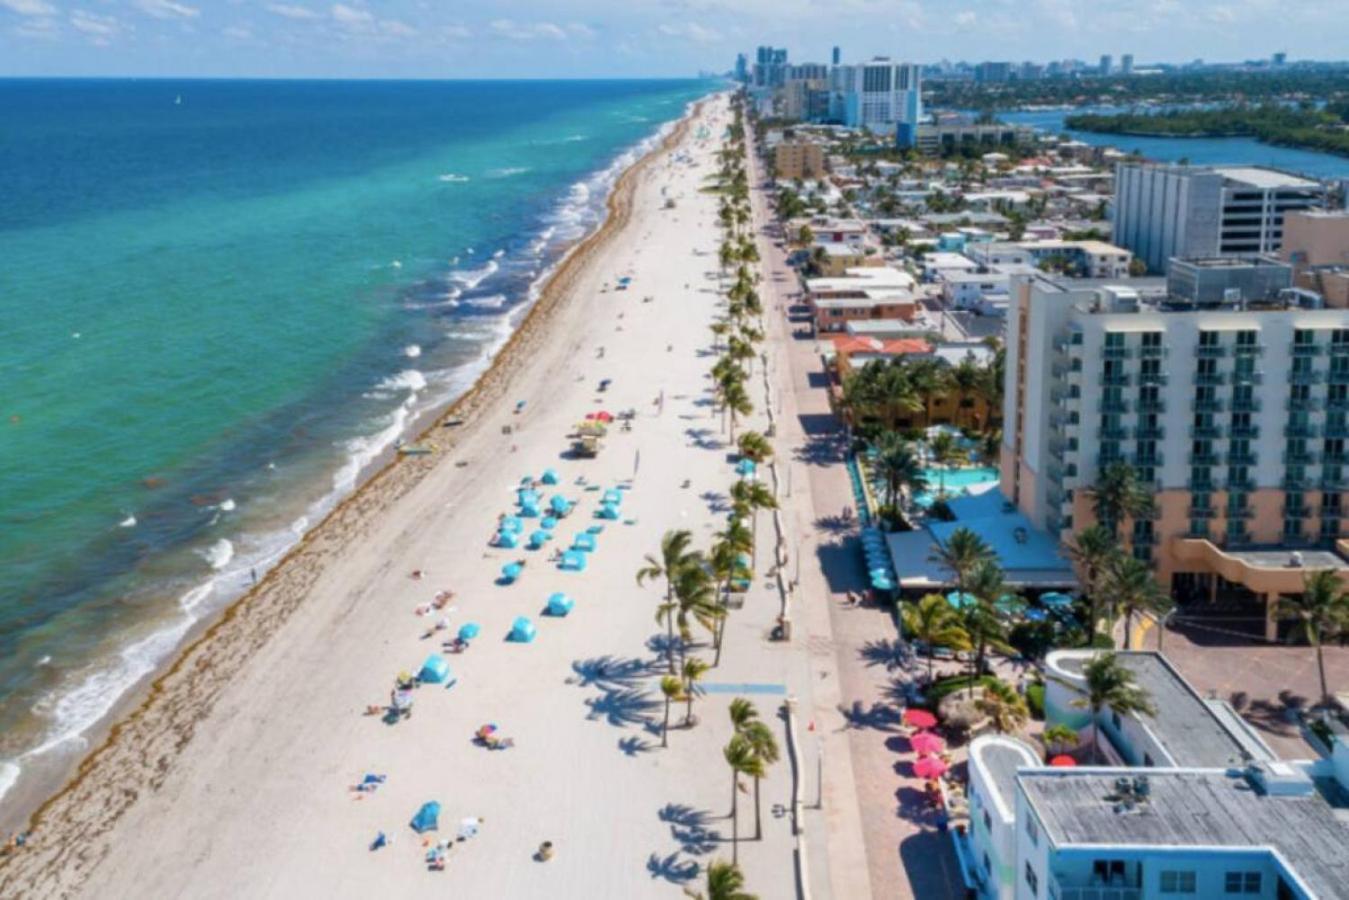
(29,7)
(455,32)
(350,16)
(238,33)
(966,19)
(99,30)
(395,28)
(167,9)
(692,31)
(288,11)
(530,31)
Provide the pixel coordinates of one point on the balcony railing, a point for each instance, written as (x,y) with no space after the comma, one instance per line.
(1239,512)
(1297,512)
(1246,404)
(1113,433)
(1211,379)
(1115,379)
(1206,431)
(1202,484)
(1305,377)
(1301,483)
(1210,351)
(1242,458)
(1202,512)
(1115,352)
(1154,352)
(1157,378)
(1114,406)
(1248,350)
(1307,349)
(1208,404)
(1301,430)
(1335,458)
(1337,403)
(1331,512)
(1240,484)
(1151,404)
(1339,348)
(1299,458)
(1303,404)
(1240,377)
(1336,430)
(1337,376)
(1335,484)
(1208,458)
(1147,460)
(1247,432)
(1150,433)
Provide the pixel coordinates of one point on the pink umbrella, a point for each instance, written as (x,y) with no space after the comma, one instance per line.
(927,742)
(1063,761)
(930,767)
(919,718)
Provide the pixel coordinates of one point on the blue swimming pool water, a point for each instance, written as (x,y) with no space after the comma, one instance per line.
(955,482)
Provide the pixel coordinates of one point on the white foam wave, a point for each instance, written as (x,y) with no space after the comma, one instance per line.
(9,773)
(507,171)
(406,380)
(471,278)
(453,178)
(228,505)
(412,351)
(495,301)
(498,254)
(128,522)
(219,554)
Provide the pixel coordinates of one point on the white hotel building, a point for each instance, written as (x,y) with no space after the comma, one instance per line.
(878,95)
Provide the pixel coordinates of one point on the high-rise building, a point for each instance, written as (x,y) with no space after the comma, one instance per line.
(1107,62)
(1279,59)
(1163,211)
(770,67)
(741,68)
(837,56)
(992,72)
(1126,64)
(879,95)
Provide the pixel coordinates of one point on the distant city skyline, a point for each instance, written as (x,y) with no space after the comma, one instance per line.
(598,38)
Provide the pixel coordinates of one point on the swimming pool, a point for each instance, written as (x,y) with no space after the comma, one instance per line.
(956,482)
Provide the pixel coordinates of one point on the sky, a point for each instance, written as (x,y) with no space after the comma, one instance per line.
(628,38)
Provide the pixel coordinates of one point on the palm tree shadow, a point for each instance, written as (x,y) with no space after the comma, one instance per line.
(690,827)
(660,644)
(836,525)
(633,746)
(883,652)
(703,438)
(672,868)
(609,672)
(878,716)
(623,707)
(716,502)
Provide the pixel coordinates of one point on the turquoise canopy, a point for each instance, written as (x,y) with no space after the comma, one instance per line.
(549,476)
(469,630)
(959,600)
(435,670)
(584,541)
(522,630)
(559,604)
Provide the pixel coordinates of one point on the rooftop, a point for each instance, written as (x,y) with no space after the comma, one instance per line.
(1000,757)
(1187,727)
(1194,808)
(1264,179)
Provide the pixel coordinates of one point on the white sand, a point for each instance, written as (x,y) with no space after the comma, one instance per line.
(257,803)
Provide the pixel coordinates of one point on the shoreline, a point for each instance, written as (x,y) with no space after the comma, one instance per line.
(247,622)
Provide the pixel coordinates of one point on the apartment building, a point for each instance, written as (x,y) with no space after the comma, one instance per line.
(1316,244)
(1165,211)
(1189,802)
(1234,413)
(798,159)
(878,95)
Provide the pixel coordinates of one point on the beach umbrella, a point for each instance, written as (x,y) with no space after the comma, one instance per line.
(549,522)
(608,511)
(559,504)
(960,600)
(604,416)
(527,481)
(530,509)
(512,523)
(522,630)
(539,538)
(745,467)
(919,718)
(511,571)
(573,561)
(435,670)
(930,767)
(549,476)
(583,541)
(882,584)
(469,630)
(560,604)
(612,497)
(507,539)
(427,818)
(927,742)
(1056,600)
(1063,761)
(526,494)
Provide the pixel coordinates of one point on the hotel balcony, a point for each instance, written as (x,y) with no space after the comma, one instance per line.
(1335,484)
(1116,379)
(1331,512)
(1248,350)
(1298,512)
(1339,348)
(1302,483)
(1113,433)
(1336,430)
(1211,379)
(1210,351)
(1208,404)
(1157,378)
(1246,404)
(1302,430)
(1307,349)
(1201,512)
(1299,458)
(1240,377)
(1108,352)
(1151,405)
(1303,404)
(1239,512)
(1335,458)
(1242,458)
(1240,484)
(1150,433)
(1337,376)
(1246,432)
(1206,431)
(1115,406)
(1147,461)
(1204,485)
(1211,458)
(1159,352)
(1312,377)
(1337,403)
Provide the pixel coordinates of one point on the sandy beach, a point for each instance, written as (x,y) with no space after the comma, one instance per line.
(234,777)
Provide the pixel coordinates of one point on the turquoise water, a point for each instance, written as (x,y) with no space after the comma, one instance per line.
(219,301)
(1200,151)
(956,481)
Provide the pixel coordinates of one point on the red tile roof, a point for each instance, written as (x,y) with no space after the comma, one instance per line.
(850,344)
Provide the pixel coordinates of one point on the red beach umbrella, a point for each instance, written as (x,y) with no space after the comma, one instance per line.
(927,742)
(919,718)
(1063,761)
(930,767)
(604,416)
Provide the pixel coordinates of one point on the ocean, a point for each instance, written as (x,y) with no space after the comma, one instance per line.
(220,302)
(1198,150)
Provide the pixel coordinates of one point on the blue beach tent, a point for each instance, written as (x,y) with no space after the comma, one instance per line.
(559,504)
(584,541)
(511,571)
(530,509)
(559,604)
(512,523)
(549,522)
(427,818)
(435,670)
(608,511)
(538,539)
(745,468)
(549,476)
(522,630)
(469,630)
(573,561)
(507,538)
(612,497)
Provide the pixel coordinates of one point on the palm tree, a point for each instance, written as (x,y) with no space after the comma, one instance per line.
(965,380)
(724,882)
(1118,494)
(980,619)
(1056,737)
(961,555)
(741,758)
(735,401)
(1092,551)
(727,565)
(1110,684)
(674,557)
(765,748)
(672,689)
(750,497)
(933,621)
(945,451)
(899,466)
(754,447)
(1321,611)
(1005,708)
(1129,584)
(694,669)
(695,602)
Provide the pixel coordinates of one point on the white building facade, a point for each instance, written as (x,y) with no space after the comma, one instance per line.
(879,95)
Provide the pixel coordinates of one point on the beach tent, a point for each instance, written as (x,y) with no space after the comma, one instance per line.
(584,541)
(530,509)
(511,571)
(427,818)
(512,523)
(549,522)
(559,504)
(435,670)
(468,631)
(574,561)
(522,630)
(539,538)
(607,511)
(745,468)
(549,476)
(612,497)
(507,538)
(560,604)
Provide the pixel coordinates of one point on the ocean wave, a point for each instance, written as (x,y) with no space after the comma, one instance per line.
(498,254)
(219,554)
(507,171)
(471,278)
(227,505)
(453,178)
(128,522)
(9,773)
(412,351)
(495,301)
(406,380)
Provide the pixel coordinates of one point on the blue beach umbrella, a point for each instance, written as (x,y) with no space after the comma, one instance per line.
(530,509)
(427,818)
(469,630)
(559,504)
(1056,600)
(1036,615)
(584,541)
(507,539)
(608,511)
(549,476)
(511,571)
(559,604)
(539,538)
(745,467)
(512,523)
(613,497)
(435,670)
(573,561)
(522,630)
(548,523)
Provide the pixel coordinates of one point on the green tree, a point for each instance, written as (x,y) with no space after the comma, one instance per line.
(1059,737)
(1110,685)
(724,882)
(748,497)
(740,756)
(672,689)
(961,554)
(945,451)
(765,748)
(1005,708)
(1320,612)
(1131,589)
(1092,551)
(693,672)
(675,556)
(1118,494)
(987,630)
(696,603)
(899,467)
(933,621)
(754,447)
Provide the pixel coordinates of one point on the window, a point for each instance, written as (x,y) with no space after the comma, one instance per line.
(1242,883)
(988,822)
(1032,881)
(1034,831)
(1177,882)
